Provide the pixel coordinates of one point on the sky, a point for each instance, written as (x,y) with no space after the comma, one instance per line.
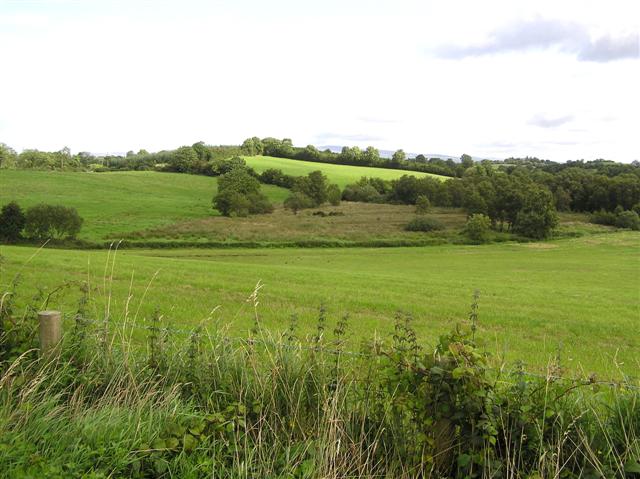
(554,79)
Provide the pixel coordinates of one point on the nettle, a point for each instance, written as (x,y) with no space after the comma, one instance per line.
(445,398)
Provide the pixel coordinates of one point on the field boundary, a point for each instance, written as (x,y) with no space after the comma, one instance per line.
(336,350)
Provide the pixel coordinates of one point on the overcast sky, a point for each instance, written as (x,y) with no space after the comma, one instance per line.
(554,79)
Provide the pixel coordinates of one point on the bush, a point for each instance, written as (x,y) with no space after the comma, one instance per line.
(478,228)
(424,224)
(50,221)
(334,195)
(232,203)
(12,222)
(259,204)
(361,193)
(628,219)
(298,201)
(314,185)
(603,217)
(423,205)
(239,194)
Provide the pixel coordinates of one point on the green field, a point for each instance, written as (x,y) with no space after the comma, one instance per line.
(119,202)
(579,296)
(342,175)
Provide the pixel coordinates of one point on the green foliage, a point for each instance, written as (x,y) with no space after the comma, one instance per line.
(239,195)
(7,156)
(314,185)
(425,224)
(52,221)
(537,218)
(602,217)
(362,193)
(628,219)
(298,201)
(423,205)
(12,222)
(334,195)
(478,228)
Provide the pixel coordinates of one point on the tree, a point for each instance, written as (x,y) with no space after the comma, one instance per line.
(538,216)
(12,222)
(334,194)
(314,185)
(184,159)
(478,228)
(423,205)
(298,201)
(239,194)
(7,156)
(50,221)
(398,157)
(466,161)
(628,219)
(232,203)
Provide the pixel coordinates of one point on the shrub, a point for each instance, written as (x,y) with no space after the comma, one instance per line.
(239,194)
(334,195)
(259,204)
(298,201)
(314,185)
(50,221)
(423,205)
(232,203)
(603,217)
(424,224)
(362,193)
(628,219)
(478,228)
(12,222)
(273,176)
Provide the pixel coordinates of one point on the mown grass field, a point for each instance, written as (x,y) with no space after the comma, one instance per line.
(116,203)
(342,175)
(578,297)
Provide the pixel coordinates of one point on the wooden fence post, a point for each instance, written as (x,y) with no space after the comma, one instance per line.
(50,330)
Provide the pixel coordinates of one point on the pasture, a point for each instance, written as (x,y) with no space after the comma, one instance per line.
(342,175)
(116,203)
(576,298)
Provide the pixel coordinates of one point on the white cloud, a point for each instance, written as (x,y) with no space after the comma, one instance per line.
(103,76)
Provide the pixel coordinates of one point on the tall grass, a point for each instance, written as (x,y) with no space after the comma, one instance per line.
(202,404)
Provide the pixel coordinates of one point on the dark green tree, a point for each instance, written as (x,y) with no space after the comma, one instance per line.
(12,222)
(298,201)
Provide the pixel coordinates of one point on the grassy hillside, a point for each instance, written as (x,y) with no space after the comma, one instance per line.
(578,297)
(116,203)
(339,174)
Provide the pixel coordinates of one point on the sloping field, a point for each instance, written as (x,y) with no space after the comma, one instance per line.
(342,175)
(576,298)
(119,202)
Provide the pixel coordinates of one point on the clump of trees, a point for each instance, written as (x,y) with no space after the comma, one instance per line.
(239,194)
(312,191)
(40,222)
(619,218)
